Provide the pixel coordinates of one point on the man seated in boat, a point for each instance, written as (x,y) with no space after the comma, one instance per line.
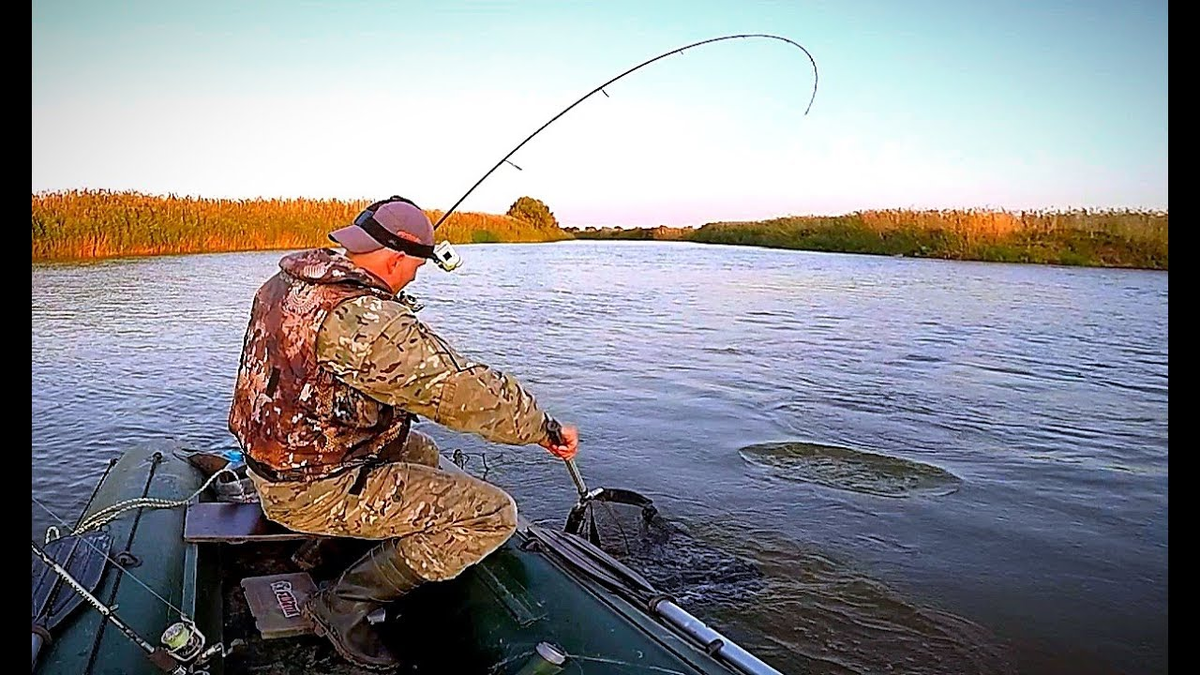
(334,369)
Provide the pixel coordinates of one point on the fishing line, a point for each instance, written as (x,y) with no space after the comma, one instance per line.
(111,560)
(600,88)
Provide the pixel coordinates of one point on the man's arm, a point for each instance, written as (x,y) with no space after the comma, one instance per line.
(380,348)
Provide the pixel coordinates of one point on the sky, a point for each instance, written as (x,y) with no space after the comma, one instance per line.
(919,105)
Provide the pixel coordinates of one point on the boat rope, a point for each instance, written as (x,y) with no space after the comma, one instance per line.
(111,512)
(92,522)
(112,560)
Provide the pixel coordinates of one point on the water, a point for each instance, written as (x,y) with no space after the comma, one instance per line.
(976,480)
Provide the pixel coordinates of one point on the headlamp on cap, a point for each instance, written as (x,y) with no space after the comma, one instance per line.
(446,257)
(443,254)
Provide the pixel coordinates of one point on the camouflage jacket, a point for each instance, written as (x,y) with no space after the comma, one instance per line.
(372,345)
(379,347)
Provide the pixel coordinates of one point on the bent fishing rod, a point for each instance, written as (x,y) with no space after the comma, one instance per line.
(448,259)
(601,88)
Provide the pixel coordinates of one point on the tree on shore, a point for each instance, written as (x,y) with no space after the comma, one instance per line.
(533,211)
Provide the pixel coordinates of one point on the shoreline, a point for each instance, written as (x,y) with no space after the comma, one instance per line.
(82,226)
(1081,238)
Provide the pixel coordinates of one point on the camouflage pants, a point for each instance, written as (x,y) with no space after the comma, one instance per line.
(445,520)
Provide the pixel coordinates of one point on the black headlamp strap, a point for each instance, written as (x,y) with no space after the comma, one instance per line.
(366,221)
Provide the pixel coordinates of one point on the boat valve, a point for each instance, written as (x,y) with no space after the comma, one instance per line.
(547,659)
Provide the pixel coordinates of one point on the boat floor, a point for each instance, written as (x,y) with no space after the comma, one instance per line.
(436,628)
(491,619)
(413,630)
(281,656)
(487,621)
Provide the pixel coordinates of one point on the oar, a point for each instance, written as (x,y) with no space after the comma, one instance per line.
(84,556)
(581,514)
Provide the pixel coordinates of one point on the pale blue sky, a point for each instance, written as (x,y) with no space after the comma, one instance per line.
(921,104)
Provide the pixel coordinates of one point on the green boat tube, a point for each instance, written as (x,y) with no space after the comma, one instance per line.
(192,578)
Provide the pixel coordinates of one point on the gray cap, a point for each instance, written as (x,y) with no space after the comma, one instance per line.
(397,217)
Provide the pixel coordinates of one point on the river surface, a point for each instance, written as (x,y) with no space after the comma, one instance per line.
(935,466)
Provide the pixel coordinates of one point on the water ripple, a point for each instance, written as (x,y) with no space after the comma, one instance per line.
(853,470)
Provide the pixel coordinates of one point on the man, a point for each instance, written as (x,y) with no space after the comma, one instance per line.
(334,368)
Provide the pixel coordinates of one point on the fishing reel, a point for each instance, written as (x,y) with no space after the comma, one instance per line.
(184,643)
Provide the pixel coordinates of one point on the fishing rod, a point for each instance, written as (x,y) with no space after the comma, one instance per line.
(182,650)
(504,159)
(182,643)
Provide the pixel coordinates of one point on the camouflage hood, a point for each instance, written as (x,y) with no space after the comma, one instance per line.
(325,266)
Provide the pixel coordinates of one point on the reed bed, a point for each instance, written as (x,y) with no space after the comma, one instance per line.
(82,224)
(1103,238)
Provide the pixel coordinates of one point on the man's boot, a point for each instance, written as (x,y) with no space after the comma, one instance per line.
(339,611)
